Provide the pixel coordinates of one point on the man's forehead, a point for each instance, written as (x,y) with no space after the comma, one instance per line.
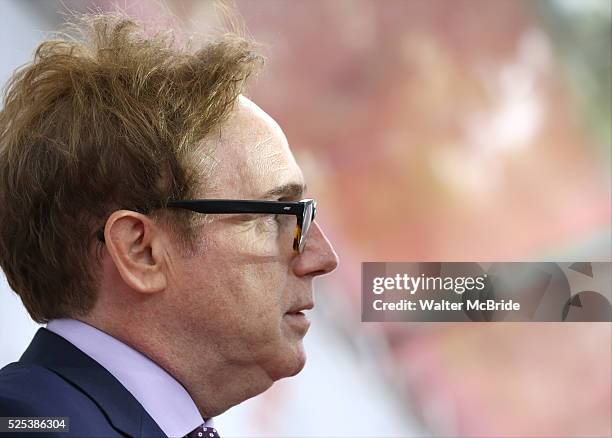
(253,157)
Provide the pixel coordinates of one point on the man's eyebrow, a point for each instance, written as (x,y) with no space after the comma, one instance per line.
(290,190)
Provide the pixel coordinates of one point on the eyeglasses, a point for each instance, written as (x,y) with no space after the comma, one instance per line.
(304,210)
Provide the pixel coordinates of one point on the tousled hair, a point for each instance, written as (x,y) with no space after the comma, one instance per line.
(109,120)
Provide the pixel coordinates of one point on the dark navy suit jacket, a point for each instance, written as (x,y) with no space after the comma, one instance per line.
(53,378)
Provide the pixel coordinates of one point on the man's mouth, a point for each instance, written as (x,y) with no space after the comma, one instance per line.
(296,318)
(299,308)
(298,321)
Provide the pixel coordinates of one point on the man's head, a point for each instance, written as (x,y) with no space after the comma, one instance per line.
(100,136)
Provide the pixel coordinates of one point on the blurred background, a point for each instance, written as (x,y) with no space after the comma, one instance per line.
(464,130)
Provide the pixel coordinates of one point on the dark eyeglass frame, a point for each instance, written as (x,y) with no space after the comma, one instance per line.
(304,210)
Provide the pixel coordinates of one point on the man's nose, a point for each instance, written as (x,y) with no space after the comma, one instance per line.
(318,256)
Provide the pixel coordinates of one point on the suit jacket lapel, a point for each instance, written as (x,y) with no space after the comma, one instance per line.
(124,412)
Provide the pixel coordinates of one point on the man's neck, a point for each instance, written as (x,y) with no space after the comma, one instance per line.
(214,384)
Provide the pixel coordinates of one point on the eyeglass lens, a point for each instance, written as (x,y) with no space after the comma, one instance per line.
(308,217)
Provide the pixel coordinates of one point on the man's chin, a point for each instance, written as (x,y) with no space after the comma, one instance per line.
(292,362)
(300,358)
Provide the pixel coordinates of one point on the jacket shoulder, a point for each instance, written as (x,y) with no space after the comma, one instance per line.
(32,390)
(29,390)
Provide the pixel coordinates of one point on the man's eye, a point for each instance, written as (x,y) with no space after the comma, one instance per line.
(272,218)
(276,221)
(262,219)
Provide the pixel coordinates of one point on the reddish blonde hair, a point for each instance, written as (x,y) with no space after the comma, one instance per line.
(110,120)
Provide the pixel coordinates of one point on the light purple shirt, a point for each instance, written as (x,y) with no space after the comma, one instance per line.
(164,399)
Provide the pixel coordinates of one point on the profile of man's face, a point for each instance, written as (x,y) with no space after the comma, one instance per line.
(244,288)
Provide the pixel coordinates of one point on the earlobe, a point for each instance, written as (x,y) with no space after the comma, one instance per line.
(132,239)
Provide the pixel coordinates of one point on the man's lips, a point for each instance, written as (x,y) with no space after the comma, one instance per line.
(296,319)
(297,309)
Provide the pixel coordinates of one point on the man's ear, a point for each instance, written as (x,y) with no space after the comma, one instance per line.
(134,242)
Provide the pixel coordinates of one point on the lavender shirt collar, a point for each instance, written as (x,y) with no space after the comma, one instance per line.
(164,399)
